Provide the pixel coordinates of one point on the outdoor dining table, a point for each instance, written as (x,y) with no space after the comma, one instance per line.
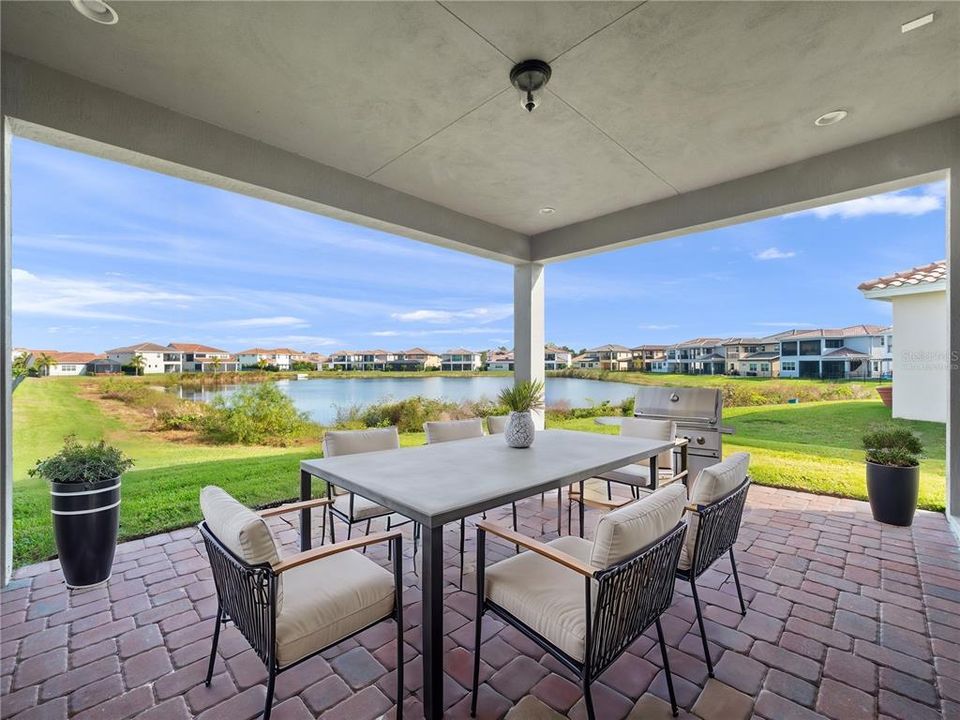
(445,482)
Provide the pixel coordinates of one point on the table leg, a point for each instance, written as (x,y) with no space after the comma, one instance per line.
(432,622)
(654,473)
(306,530)
(582,507)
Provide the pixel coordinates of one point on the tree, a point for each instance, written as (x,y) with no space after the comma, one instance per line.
(21,364)
(138,363)
(43,364)
(217,362)
(262,364)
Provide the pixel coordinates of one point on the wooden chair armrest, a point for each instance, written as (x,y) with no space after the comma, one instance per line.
(603,503)
(692,507)
(292,507)
(547,551)
(327,550)
(681,441)
(681,474)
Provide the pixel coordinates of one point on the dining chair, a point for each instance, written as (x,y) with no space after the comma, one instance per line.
(451,431)
(586,602)
(290,609)
(348,506)
(713,517)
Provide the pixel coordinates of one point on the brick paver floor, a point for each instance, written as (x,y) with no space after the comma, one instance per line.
(847,619)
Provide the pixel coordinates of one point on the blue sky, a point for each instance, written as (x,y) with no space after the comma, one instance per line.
(108,255)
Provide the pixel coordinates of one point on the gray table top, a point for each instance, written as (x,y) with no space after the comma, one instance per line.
(440,483)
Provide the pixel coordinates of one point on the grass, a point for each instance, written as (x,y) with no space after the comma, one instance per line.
(810,446)
(815,447)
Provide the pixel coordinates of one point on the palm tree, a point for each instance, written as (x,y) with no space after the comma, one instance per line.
(262,364)
(43,364)
(217,362)
(21,364)
(137,363)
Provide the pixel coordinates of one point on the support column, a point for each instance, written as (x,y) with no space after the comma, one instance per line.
(6,365)
(953,343)
(528,325)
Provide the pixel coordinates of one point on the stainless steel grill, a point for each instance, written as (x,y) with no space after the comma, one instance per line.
(698,413)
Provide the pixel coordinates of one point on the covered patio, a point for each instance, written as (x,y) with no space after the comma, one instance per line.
(846,619)
(660,119)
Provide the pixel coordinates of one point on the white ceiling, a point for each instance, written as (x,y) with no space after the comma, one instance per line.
(646,100)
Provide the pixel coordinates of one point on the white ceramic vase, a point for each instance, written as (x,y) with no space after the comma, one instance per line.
(520,430)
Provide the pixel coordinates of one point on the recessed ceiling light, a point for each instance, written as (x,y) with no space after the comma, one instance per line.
(96,10)
(547,210)
(830,118)
(918,23)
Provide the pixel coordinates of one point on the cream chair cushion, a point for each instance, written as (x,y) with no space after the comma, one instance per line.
(329,599)
(240,529)
(363,509)
(544,595)
(654,430)
(713,483)
(438,432)
(638,475)
(351,442)
(497,424)
(624,531)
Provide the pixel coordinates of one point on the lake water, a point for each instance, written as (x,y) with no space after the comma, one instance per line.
(321,397)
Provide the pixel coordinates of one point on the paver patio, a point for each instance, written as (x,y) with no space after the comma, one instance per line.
(846,619)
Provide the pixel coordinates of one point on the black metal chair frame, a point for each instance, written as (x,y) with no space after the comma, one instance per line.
(348,519)
(247,594)
(716,534)
(630,597)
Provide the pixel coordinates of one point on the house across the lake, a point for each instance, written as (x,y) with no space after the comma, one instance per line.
(857,351)
(500,360)
(920,316)
(461,359)
(649,358)
(556,358)
(156,359)
(203,358)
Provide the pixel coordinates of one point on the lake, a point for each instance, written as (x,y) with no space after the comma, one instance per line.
(320,397)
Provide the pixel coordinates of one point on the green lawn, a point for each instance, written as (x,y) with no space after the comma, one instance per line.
(816,446)
(811,446)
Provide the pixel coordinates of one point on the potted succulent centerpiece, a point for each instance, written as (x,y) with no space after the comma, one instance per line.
(85,500)
(522,399)
(893,473)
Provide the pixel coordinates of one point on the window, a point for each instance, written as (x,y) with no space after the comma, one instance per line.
(765,367)
(789,366)
(833,344)
(882,339)
(809,347)
(753,367)
(788,348)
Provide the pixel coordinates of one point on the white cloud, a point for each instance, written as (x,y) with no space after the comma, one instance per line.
(901,202)
(277,321)
(773,253)
(479,314)
(80,298)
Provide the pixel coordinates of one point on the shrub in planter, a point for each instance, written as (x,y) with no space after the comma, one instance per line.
(893,472)
(522,399)
(85,498)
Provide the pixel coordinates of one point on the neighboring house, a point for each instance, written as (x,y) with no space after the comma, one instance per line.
(203,358)
(556,358)
(461,359)
(649,358)
(276,357)
(157,359)
(369,360)
(699,356)
(423,359)
(858,351)
(587,361)
(920,319)
(70,363)
(752,357)
(102,365)
(500,360)
(611,357)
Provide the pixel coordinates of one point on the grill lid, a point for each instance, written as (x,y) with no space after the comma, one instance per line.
(701,405)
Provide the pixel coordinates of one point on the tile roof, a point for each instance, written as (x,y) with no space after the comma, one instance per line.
(418,351)
(846,352)
(769,355)
(195,347)
(461,351)
(935,272)
(139,347)
(609,348)
(79,358)
(701,342)
(851,331)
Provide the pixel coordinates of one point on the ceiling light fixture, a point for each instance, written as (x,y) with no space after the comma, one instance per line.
(96,10)
(918,23)
(530,77)
(547,210)
(830,118)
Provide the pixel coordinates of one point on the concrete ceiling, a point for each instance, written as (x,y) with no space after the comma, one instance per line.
(647,101)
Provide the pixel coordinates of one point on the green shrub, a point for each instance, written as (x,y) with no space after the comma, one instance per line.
(255,415)
(76,463)
(892,444)
(409,414)
(523,396)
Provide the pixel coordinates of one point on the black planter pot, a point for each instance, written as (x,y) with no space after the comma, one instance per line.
(86,518)
(893,493)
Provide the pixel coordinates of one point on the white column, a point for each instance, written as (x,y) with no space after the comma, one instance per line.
(953,343)
(528,332)
(6,362)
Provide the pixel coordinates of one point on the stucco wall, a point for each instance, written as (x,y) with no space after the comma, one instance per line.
(920,356)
